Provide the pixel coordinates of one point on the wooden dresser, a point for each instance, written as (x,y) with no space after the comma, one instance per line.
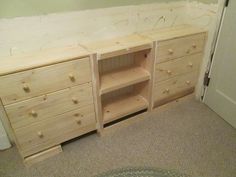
(179,53)
(55,95)
(47,98)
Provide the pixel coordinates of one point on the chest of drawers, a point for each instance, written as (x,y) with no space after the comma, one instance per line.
(53,96)
(49,104)
(179,54)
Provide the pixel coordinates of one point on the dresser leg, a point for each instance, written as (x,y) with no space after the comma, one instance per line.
(29,161)
(100,130)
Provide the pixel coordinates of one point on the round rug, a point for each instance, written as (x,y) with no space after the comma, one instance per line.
(142,172)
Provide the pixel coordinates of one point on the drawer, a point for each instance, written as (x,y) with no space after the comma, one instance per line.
(175,87)
(61,128)
(167,70)
(36,82)
(179,47)
(44,107)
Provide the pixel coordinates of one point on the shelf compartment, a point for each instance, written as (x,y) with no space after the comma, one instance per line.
(122,78)
(122,106)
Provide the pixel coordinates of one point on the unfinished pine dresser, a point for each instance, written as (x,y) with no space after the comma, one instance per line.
(53,96)
(179,53)
(47,97)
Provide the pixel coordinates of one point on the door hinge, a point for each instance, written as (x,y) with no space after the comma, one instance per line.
(226,3)
(206,79)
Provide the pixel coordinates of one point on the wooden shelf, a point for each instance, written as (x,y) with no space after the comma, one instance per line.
(122,78)
(123,106)
(119,46)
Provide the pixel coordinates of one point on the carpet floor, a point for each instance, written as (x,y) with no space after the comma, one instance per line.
(185,136)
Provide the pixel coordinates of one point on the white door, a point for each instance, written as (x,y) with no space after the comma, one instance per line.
(221,93)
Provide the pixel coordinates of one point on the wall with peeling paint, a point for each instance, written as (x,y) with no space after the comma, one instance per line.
(16,8)
(27,34)
(55,30)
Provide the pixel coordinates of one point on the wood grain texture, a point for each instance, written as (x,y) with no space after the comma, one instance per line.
(172,68)
(44,107)
(96,90)
(170,87)
(121,106)
(115,63)
(42,58)
(122,78)
(119,46)
(175,48)
(146,60)
(125,76)
(41,156)
(173,97)
(172,32)
(51,132)
(27,84)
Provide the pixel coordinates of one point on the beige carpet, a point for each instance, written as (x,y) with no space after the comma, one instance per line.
(185,136)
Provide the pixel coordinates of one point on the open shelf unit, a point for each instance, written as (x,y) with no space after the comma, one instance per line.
(122,106)
(123,74)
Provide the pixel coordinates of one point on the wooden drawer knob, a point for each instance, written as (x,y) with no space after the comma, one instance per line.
(188,82)
(26,88)
(169,72)
(194,46)
(75,100)
(79,122)
(72,77)
(40,134)
(167,91)
(34,113)
(190,64)
(78,115)
(170,51)
(188,51)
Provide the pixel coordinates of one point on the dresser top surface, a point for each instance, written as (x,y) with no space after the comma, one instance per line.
(172,32)
(138,41)
(26,61)
(116,44)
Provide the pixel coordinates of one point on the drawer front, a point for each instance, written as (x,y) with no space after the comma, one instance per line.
(170,69)
(36,82)
(44,107)
(48,133)
(165,90)
(175,48)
